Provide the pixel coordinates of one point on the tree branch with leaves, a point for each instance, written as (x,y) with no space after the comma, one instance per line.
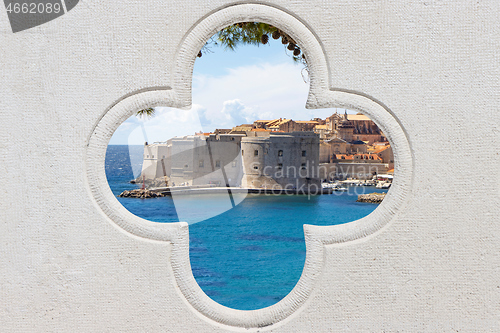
(253,33)
(248,33)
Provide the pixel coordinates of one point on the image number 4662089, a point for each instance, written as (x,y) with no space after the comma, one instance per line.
(26,14)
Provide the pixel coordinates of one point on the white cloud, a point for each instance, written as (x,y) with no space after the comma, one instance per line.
(239,95)
(166,123)
(266,91)
(237,113)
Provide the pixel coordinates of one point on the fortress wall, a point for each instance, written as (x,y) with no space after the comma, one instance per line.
(351,170)
(253,164)
(280,159)
(152,166)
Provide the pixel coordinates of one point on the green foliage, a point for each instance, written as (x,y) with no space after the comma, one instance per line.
(249,33)
(253,33)
(243,33)
(149,112)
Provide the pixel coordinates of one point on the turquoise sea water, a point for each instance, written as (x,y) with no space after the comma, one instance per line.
(251,256)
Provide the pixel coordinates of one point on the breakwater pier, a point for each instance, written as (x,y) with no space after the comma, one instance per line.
(195,190)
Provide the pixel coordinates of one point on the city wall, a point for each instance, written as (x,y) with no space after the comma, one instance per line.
(278,160)
(284,159)
(362,171)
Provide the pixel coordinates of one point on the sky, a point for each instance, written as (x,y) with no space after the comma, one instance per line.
(230,88)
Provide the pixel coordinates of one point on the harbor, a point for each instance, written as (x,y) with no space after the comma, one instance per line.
(383,182)
(263,233)
(198,190)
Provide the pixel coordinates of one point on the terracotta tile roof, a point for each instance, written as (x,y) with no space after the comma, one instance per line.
(242,126)
(320,127)
(342,157)
(274,122)
(368,157)
(357,117)
(381,149)
(335,139)
(364,157)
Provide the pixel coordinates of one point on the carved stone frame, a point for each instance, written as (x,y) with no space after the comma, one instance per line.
(178,94)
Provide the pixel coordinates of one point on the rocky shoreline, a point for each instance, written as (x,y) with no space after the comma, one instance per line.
(150,183)
(375,198)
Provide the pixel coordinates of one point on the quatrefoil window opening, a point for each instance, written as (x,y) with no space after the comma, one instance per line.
(223,167)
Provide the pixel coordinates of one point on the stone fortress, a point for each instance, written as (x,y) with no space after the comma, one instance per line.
(277,154)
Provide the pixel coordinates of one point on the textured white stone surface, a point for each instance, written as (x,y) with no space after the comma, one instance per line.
(428,259)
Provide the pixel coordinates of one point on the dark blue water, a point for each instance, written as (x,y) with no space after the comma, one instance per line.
(251,256)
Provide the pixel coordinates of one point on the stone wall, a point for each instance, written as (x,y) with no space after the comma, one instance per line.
(283,158)
(351,170)
(235,159)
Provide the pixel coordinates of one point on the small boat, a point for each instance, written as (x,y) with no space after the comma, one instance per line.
(328,185)
(333,186)
(383,185)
